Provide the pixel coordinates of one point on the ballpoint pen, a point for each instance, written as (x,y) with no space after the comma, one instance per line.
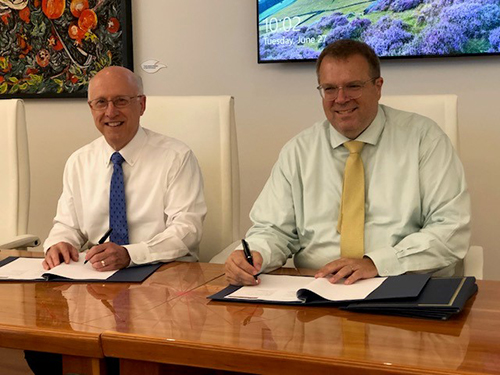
(248,254)
(103,238)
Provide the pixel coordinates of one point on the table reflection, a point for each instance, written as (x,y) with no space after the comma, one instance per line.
(249,320)
(333,333)
(153,304)
(51,307)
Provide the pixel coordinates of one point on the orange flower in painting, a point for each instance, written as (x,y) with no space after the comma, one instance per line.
(5,18)
(31,71)
(87,20)
(113,25)
(25,14)
(78,6)
(43,58)
(53,9)
(24,46)
(2,79)
(55,43)
(72,78)
(75,32)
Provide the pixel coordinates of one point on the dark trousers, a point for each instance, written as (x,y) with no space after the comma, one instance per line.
(51,364)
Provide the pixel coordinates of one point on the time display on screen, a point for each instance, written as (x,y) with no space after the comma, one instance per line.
(276,30)
(274,25)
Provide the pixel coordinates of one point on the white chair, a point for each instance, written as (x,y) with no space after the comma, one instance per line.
(207,125)
(15,177)
(443,110)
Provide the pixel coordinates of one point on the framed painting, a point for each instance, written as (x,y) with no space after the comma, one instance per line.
(51,48)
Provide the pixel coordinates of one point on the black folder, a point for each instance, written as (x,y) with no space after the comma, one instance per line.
(135,274)
(393,288)
(413,295)
(440,299)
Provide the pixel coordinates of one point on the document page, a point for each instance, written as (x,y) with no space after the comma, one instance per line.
(79,271)
(340,292)
(23,269)
(31,269)
(282,288)
(273,288)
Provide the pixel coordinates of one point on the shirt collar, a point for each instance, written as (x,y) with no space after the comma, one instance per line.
(131,150)
(371,135)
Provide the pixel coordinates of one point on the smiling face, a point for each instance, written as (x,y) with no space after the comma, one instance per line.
(117,125)
(350,117)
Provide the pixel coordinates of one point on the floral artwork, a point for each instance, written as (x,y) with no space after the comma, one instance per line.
(300,29)
(51,48)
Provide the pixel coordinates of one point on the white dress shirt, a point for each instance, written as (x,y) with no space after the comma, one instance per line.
(417,207)
(163,192)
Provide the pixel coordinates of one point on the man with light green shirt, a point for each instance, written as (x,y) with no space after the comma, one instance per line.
(416,204)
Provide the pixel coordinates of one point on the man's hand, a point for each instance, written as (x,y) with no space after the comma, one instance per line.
(352,269)
(60,251)
(239,271)
(107,291)
(108,257)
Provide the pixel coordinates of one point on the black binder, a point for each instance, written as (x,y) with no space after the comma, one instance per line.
(126,275)
(393,288)
(414,295)
(440,299)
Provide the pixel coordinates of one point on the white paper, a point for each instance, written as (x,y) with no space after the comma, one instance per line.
(79,271)
(23,269)
(273,288)
(281,288)
(32,269)
(341,292)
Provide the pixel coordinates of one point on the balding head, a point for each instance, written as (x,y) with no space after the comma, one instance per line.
(116,121)
(117,72)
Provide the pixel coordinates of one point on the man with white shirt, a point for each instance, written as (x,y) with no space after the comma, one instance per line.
(370,191)
(146,187)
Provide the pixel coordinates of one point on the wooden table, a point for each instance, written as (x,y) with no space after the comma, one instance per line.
(168,324)
(192,334)
(69,318)
(34,316)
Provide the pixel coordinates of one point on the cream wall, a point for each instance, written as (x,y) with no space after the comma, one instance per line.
(210,46)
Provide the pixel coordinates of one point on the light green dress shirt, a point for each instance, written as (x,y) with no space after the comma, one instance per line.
(417,207)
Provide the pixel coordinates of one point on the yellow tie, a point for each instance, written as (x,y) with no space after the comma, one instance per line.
(351,223)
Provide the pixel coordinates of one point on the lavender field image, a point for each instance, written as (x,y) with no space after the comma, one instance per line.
(300,29)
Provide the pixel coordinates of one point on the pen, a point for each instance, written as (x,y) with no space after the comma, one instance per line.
(248,254)
(103,238)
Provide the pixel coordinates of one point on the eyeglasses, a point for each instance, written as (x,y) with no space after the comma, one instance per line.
(101,104)
(353,90)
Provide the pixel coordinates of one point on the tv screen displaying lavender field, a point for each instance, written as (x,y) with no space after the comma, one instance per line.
(293,30)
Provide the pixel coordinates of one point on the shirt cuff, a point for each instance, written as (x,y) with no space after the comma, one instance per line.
(139,253)
(386,261)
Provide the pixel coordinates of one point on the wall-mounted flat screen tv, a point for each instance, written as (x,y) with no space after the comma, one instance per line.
(297,30)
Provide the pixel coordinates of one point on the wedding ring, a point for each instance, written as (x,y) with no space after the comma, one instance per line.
(103,263)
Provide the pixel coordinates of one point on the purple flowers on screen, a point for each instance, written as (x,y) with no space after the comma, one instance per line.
(393,28)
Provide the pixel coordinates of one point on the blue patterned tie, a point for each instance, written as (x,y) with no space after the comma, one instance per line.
(117,205)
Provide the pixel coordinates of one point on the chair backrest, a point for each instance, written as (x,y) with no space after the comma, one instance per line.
(14,169)
(440,108)
(207,125)
(474,262)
